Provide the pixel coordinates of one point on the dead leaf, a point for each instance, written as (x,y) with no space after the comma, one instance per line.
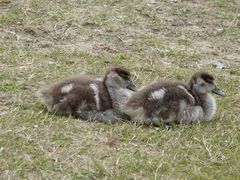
(112,140)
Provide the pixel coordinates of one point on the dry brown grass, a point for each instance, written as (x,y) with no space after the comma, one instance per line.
(42,41)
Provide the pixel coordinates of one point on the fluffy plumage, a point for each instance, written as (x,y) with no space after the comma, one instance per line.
(174,101)
(87,97)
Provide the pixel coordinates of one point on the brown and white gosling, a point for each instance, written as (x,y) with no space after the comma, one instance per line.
(87,97)
(173,101)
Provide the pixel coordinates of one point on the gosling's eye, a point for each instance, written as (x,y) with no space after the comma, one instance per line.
(129,82)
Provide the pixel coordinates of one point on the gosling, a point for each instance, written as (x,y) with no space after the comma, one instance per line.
(173,101)
(90,98)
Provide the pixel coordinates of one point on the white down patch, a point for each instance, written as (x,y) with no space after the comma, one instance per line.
(95,89)
(186,91)
(67,88)
(98,79)
(157,94)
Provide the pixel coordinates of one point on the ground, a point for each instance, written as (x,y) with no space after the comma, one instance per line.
(44,41)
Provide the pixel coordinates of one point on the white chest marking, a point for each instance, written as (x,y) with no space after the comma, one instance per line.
(67,88)
(95,89)
(186,91)
(157,94)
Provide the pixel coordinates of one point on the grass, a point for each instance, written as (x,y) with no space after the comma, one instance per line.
(44,42)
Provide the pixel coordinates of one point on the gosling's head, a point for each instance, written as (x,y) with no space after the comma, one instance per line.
(203,83)
(119,77)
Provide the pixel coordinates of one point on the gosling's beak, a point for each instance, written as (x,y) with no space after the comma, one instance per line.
(132,87)
(218,91)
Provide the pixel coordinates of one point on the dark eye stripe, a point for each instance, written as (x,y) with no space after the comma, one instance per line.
(124,76)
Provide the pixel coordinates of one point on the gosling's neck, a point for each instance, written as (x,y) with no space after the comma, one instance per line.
(119,96)
(209,106)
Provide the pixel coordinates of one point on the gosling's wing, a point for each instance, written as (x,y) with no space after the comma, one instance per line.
(55,92)
(167,100)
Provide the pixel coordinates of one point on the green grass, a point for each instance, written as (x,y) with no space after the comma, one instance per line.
(42,42)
